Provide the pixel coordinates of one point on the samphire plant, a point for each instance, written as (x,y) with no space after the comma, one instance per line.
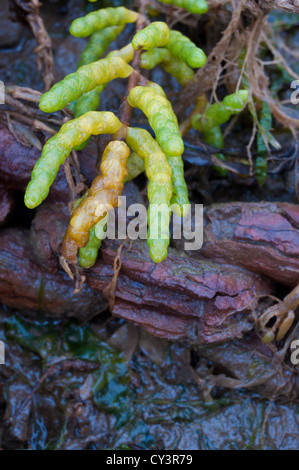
(131,150)
(234,77)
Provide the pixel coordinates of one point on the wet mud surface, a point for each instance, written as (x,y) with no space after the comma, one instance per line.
(147,395)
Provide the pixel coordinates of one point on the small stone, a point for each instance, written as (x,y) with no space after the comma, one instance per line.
(10,32)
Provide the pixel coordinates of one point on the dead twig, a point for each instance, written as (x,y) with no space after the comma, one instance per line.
(29,9)
(109,291)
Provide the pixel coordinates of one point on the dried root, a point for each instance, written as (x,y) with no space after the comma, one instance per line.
(278,319)
(29,10)
(225,67)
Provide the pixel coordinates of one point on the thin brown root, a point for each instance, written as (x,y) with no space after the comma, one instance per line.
(282,314)
(109,292)
(66,267)
(70,181)
(80,279)
(200,105)
(44,55)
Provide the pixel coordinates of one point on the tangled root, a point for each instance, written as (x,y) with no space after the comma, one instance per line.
(248,29)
